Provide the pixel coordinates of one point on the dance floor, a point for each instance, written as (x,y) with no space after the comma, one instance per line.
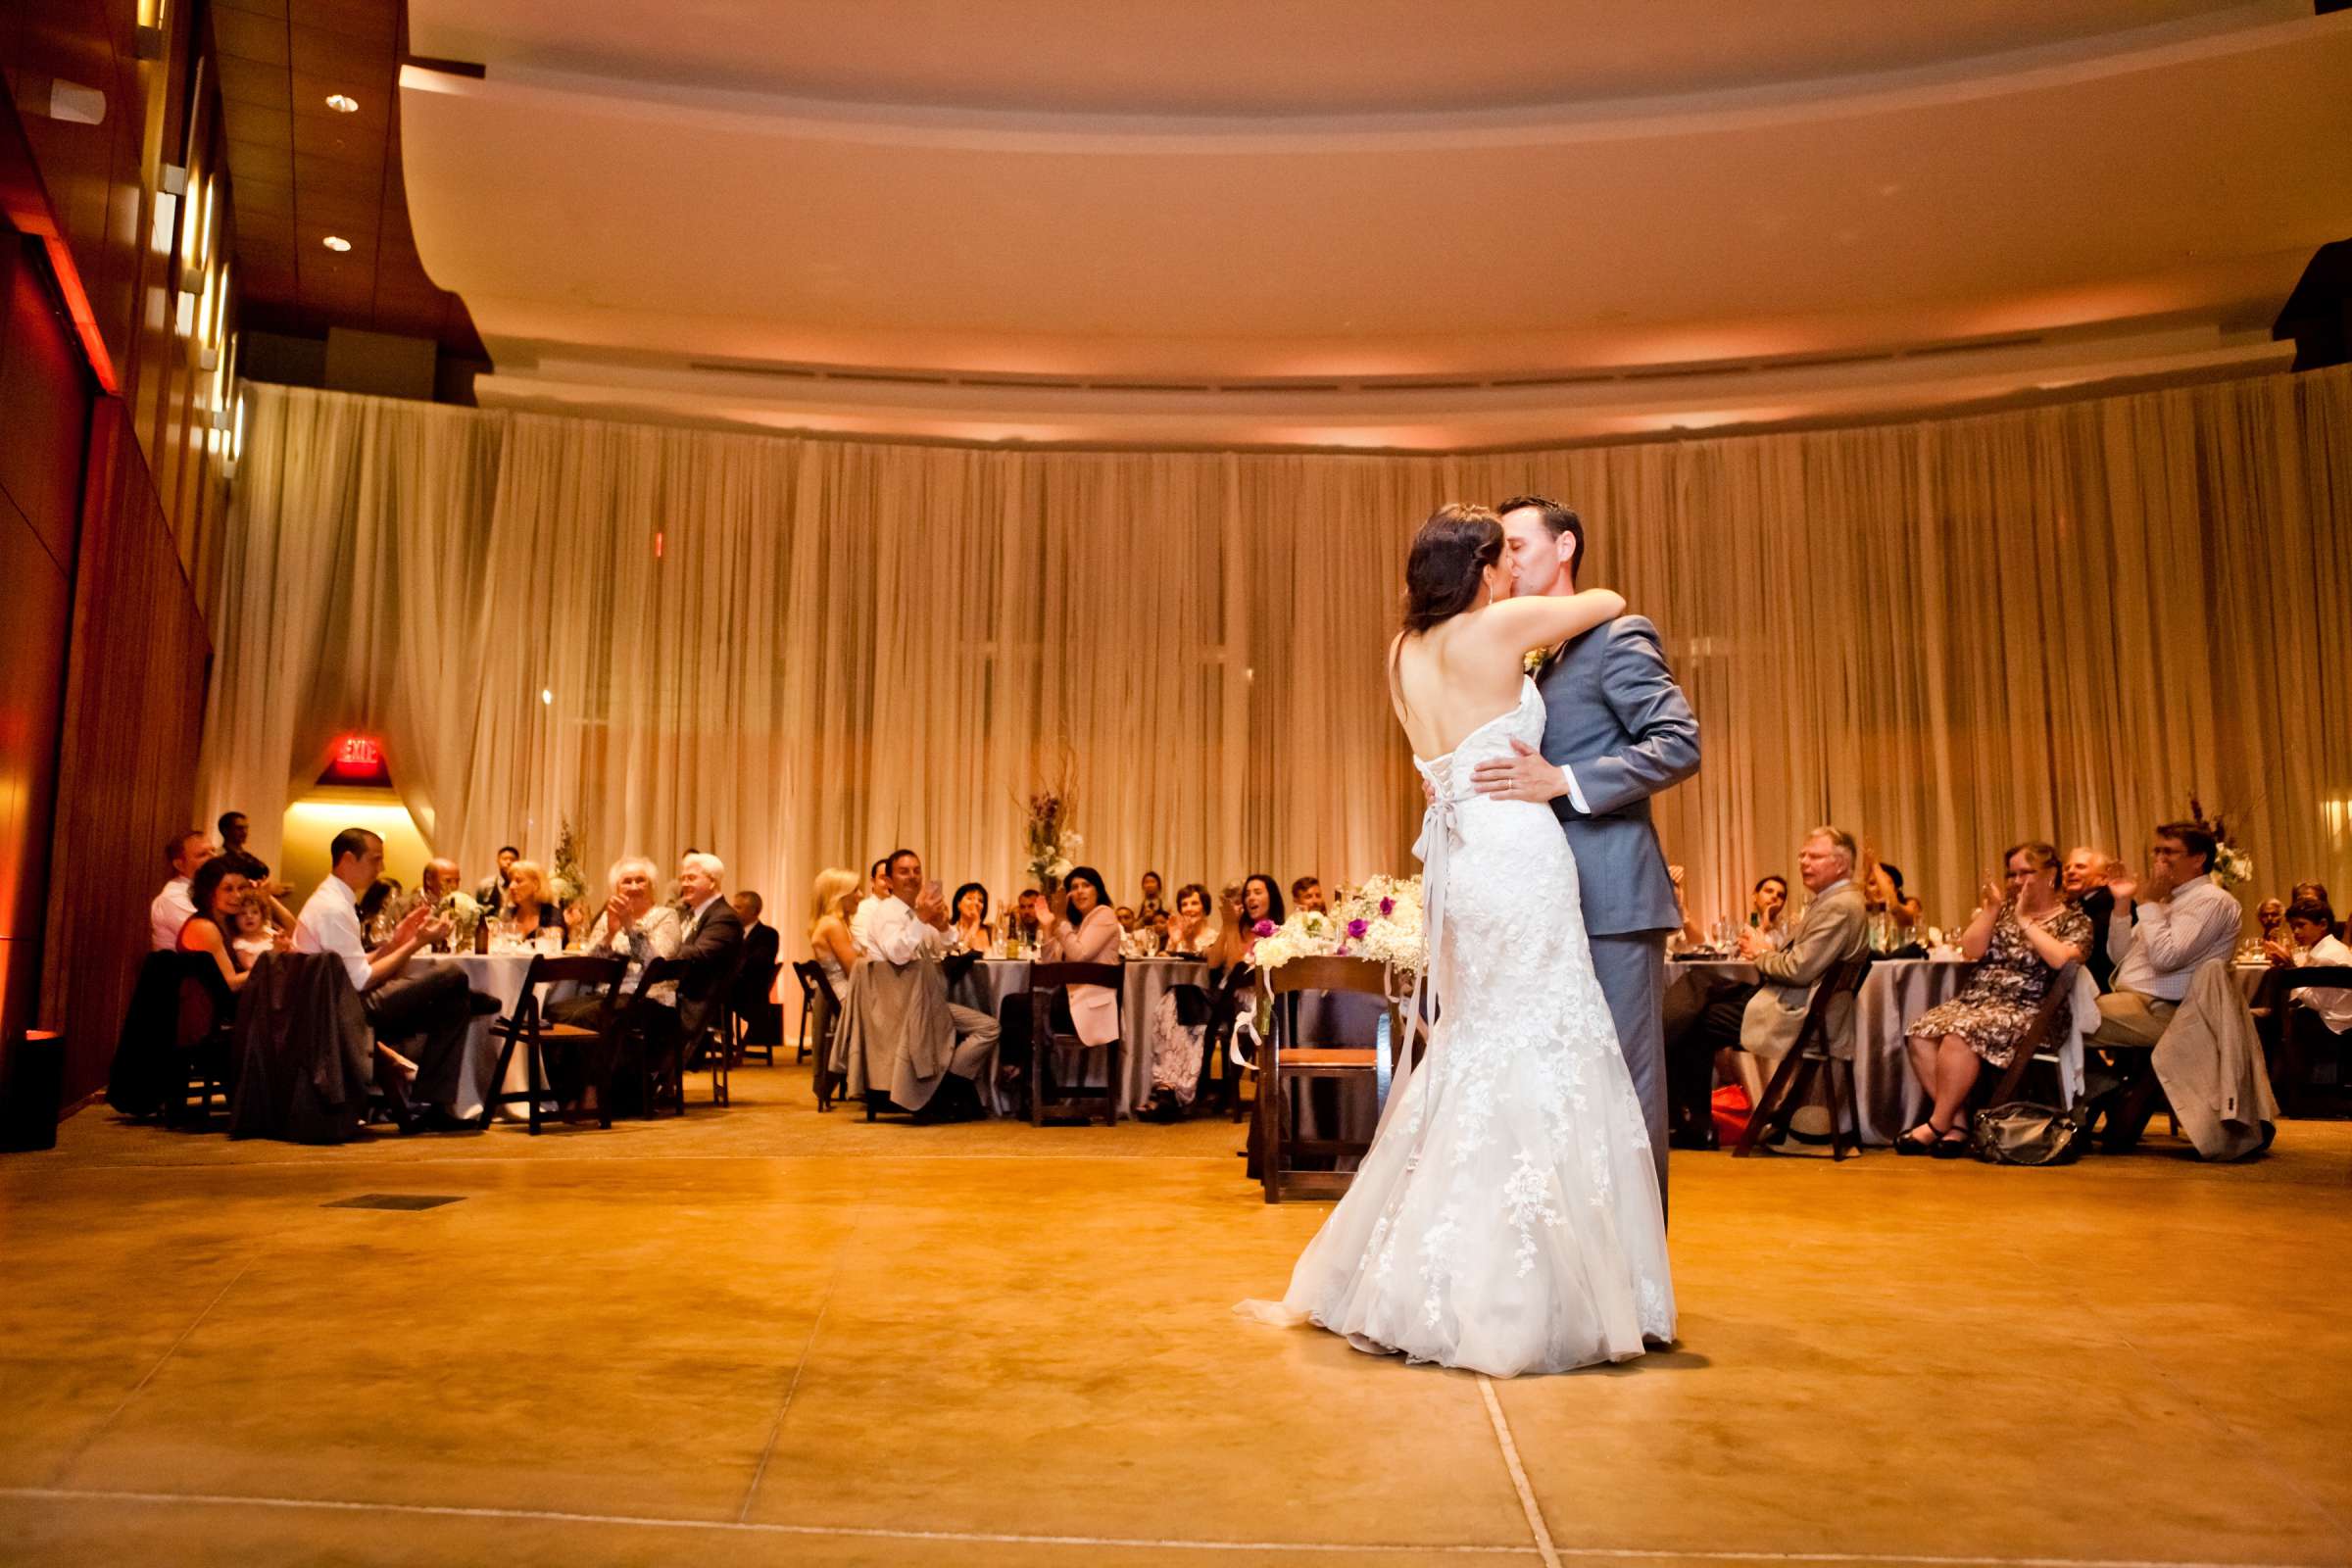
(768,1335)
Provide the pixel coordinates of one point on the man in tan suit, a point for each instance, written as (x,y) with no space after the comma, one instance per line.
(1835,929)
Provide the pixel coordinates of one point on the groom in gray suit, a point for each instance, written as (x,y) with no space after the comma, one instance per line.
(1616,731)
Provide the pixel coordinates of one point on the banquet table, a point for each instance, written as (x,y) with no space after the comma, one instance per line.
(500,975)
(1895,991)
(1142,982)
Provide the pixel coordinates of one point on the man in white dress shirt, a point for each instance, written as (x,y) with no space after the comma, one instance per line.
(2179,922)
(435,1007)
(183,851)
(877,894)
(913,923)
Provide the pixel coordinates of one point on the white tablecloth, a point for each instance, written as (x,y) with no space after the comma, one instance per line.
(500,975)
(1142,982)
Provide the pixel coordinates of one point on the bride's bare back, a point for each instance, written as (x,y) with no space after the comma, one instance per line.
(1465,670)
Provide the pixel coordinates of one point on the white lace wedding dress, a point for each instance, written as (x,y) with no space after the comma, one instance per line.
(1506,1218)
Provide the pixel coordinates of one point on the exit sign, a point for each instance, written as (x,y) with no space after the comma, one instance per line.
(356,759)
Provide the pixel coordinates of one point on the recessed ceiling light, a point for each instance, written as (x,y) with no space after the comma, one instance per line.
(336,242)
(342,104)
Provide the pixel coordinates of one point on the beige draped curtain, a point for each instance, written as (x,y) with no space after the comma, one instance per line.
(1947,635)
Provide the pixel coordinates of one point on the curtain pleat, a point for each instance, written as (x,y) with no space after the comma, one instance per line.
(1947,635)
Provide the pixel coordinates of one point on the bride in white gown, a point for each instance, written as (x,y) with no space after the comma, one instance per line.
(1507,1217)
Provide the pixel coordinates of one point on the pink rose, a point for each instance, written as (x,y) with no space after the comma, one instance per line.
(1263,928)
(1388,907)
(1356,930)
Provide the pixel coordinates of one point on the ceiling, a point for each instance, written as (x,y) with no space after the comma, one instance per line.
(304,172)
(1329,223)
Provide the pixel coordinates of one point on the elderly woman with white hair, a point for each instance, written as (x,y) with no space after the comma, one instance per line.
(632,925)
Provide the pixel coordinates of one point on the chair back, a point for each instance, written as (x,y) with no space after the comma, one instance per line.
(1842,982)
(207,1007)
(655,972)
(811,976)
(2318,977)
(1055,976)
(589,973)
(1360,975)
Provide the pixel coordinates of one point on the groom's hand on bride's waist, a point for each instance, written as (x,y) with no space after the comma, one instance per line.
(1523,775)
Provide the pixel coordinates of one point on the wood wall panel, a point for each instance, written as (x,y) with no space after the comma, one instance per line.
(44,416)
(133,711)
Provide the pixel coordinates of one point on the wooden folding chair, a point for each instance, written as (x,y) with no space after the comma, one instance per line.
(752,987)
(812,983)
(1286,1063)
(205,1029)
(1807,1061)
(2039,1044)
(529,1028)
(1049,1099)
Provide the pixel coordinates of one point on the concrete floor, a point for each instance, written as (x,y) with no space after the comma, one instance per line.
(766,1335)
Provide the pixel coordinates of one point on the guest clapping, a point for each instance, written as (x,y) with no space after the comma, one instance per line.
(1188,931)
(1894,913)
(1085,930)
(632,925)
(2084,880)
(2023,934)
(970,931)
(834,901)
(2181,922)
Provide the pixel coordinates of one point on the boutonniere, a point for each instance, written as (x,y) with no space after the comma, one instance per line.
(1534,661)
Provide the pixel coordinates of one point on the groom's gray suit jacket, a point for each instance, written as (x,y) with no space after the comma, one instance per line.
(1615,718)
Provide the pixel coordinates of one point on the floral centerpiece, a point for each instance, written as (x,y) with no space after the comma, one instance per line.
(1052,849)
(1379,921)
(569,883)
(463,914)
(2233,866)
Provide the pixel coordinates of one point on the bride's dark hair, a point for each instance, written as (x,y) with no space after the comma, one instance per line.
(1442,572)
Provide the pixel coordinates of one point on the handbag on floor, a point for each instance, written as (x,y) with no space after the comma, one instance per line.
(2023,1133)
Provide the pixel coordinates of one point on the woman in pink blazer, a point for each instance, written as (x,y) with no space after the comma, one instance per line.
(1083,928)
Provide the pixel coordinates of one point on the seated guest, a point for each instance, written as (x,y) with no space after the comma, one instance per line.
(2311,943)
(1752,1027)
(911,926)
(1028,913)
(1832,931)
(254,933)
(531,906)
(1125,915)
(1085,930)
(2019,941)
(970,905)
(221,897)
(2269,921)
(834,898)
(183,852)
(1686,929)
(1234,939)
(1262,904)
(1189,932)
(631,925)
(378,898)
(438,881)
(877,893)
(2180,920)
(2084,880)
(2314,893)
(709,945)
(435,1006)
(1150,903)
(1307,894)
(1891,913)
(760,942)
(492,893)
(1768,904)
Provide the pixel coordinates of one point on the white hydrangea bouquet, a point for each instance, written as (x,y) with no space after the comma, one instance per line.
(2233,864)
(1053,847)
(1379,921)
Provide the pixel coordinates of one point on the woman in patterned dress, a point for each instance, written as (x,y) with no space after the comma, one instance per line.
(2019,941)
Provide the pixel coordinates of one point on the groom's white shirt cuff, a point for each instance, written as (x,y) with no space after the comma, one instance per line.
(1576,795)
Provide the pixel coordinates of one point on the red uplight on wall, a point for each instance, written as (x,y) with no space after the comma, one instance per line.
(356,759)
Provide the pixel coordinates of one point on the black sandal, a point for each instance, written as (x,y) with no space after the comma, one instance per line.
(1905,1143)
(1952,1144)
